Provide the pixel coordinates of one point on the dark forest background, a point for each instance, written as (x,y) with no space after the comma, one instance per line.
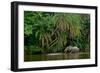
(52,32)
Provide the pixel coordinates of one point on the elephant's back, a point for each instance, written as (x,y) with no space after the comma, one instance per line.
(76,48)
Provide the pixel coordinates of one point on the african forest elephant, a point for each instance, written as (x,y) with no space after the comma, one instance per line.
(71,49)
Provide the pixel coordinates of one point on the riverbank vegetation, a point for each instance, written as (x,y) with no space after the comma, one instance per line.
(52,32)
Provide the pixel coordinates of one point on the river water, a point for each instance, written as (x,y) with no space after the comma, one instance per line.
(56,56)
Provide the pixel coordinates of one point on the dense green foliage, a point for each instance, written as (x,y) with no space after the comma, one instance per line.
(46,32)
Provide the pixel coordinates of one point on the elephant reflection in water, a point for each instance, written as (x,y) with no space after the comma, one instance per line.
(71,52)
(71,56)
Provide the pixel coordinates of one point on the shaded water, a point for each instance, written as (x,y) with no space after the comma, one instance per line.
(56,56)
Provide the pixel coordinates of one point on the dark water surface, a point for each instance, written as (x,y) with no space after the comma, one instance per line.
(56,56)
